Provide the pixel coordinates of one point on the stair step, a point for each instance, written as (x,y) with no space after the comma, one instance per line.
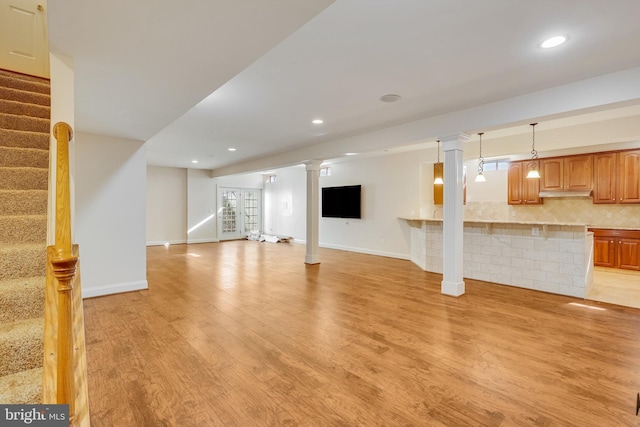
(22,298)
(27,260)
(18,157)
(24,82)
(22,388)
(24,139)
(24,178)
(20,229)
(26,77)
(24,171)
(16,122)
(23,202)
(25,96)
(21,345)
(20,108)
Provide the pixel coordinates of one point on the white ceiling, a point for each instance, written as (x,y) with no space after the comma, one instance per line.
(260,71)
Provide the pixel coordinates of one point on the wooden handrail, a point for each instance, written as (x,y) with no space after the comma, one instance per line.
(64,269)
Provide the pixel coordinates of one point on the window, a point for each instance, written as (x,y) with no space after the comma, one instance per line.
(326,171)
(271,179)
(496,165)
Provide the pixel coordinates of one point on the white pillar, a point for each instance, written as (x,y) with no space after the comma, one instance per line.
(453,221)
(313,211)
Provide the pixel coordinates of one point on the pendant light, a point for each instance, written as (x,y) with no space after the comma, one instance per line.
(533,168)
(438,169)
(480,177)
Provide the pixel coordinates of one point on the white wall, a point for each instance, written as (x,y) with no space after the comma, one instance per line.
(252,180)
(110,213)
(166,196)
(201,207)
(179,199)
(285,204)
(62,110)
(390,189)
(494,189)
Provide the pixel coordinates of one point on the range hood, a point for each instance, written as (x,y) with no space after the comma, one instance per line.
(566,193)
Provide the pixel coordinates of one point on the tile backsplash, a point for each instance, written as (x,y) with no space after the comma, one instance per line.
(565,210)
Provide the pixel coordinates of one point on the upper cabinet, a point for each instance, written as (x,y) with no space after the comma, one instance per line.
(614,177)
(617,177)
(571,173)
(629,178)
(605,177)
(521,190)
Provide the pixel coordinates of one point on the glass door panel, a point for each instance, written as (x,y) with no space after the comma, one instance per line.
(239,213)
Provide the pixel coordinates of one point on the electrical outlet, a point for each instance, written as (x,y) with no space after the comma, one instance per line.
(513,213)
(608,214)
(535,231)
(479,213)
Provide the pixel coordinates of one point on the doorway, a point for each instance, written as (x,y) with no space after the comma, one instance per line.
(240,212)
(24,42)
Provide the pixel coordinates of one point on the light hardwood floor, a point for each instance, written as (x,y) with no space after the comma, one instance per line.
(245,334)
(616,286)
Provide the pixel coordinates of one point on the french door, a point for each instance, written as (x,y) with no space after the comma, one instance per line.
(240,212)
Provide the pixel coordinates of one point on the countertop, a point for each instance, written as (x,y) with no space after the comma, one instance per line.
(606,227)
(493,221)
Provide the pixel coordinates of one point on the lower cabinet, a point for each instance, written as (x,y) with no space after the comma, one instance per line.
(616,248)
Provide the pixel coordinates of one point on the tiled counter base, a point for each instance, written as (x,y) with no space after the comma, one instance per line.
(557,260)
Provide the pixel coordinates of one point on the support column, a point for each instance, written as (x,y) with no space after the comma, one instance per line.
(453,221)
(313,211)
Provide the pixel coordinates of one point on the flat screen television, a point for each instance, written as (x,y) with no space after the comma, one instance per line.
(341,202)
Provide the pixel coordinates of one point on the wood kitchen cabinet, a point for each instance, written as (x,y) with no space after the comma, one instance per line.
(522,191)
(570,173)
(617,177)
(604,251)
(629,177)
(616,248)
(605,178)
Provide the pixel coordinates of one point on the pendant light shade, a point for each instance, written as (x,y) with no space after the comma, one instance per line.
(480,177)
(533,173)
(533,167)
(438,169)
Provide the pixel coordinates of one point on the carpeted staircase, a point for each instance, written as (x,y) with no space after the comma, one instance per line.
(24,170)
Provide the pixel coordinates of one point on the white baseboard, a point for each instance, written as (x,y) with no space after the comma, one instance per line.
(203,241)
(116,288)
(162,242)
(368,251)
(359,250)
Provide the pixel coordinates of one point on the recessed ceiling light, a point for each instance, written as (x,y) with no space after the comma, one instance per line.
(350,154)
(231,149)
(553,42)
(317,121)
(391,97)
(194,161)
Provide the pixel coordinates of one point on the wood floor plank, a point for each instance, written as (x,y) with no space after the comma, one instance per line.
(244,333)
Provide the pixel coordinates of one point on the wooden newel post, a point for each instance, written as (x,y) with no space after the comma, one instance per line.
(64,270)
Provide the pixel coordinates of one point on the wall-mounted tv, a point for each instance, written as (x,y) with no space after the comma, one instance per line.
(341,202)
